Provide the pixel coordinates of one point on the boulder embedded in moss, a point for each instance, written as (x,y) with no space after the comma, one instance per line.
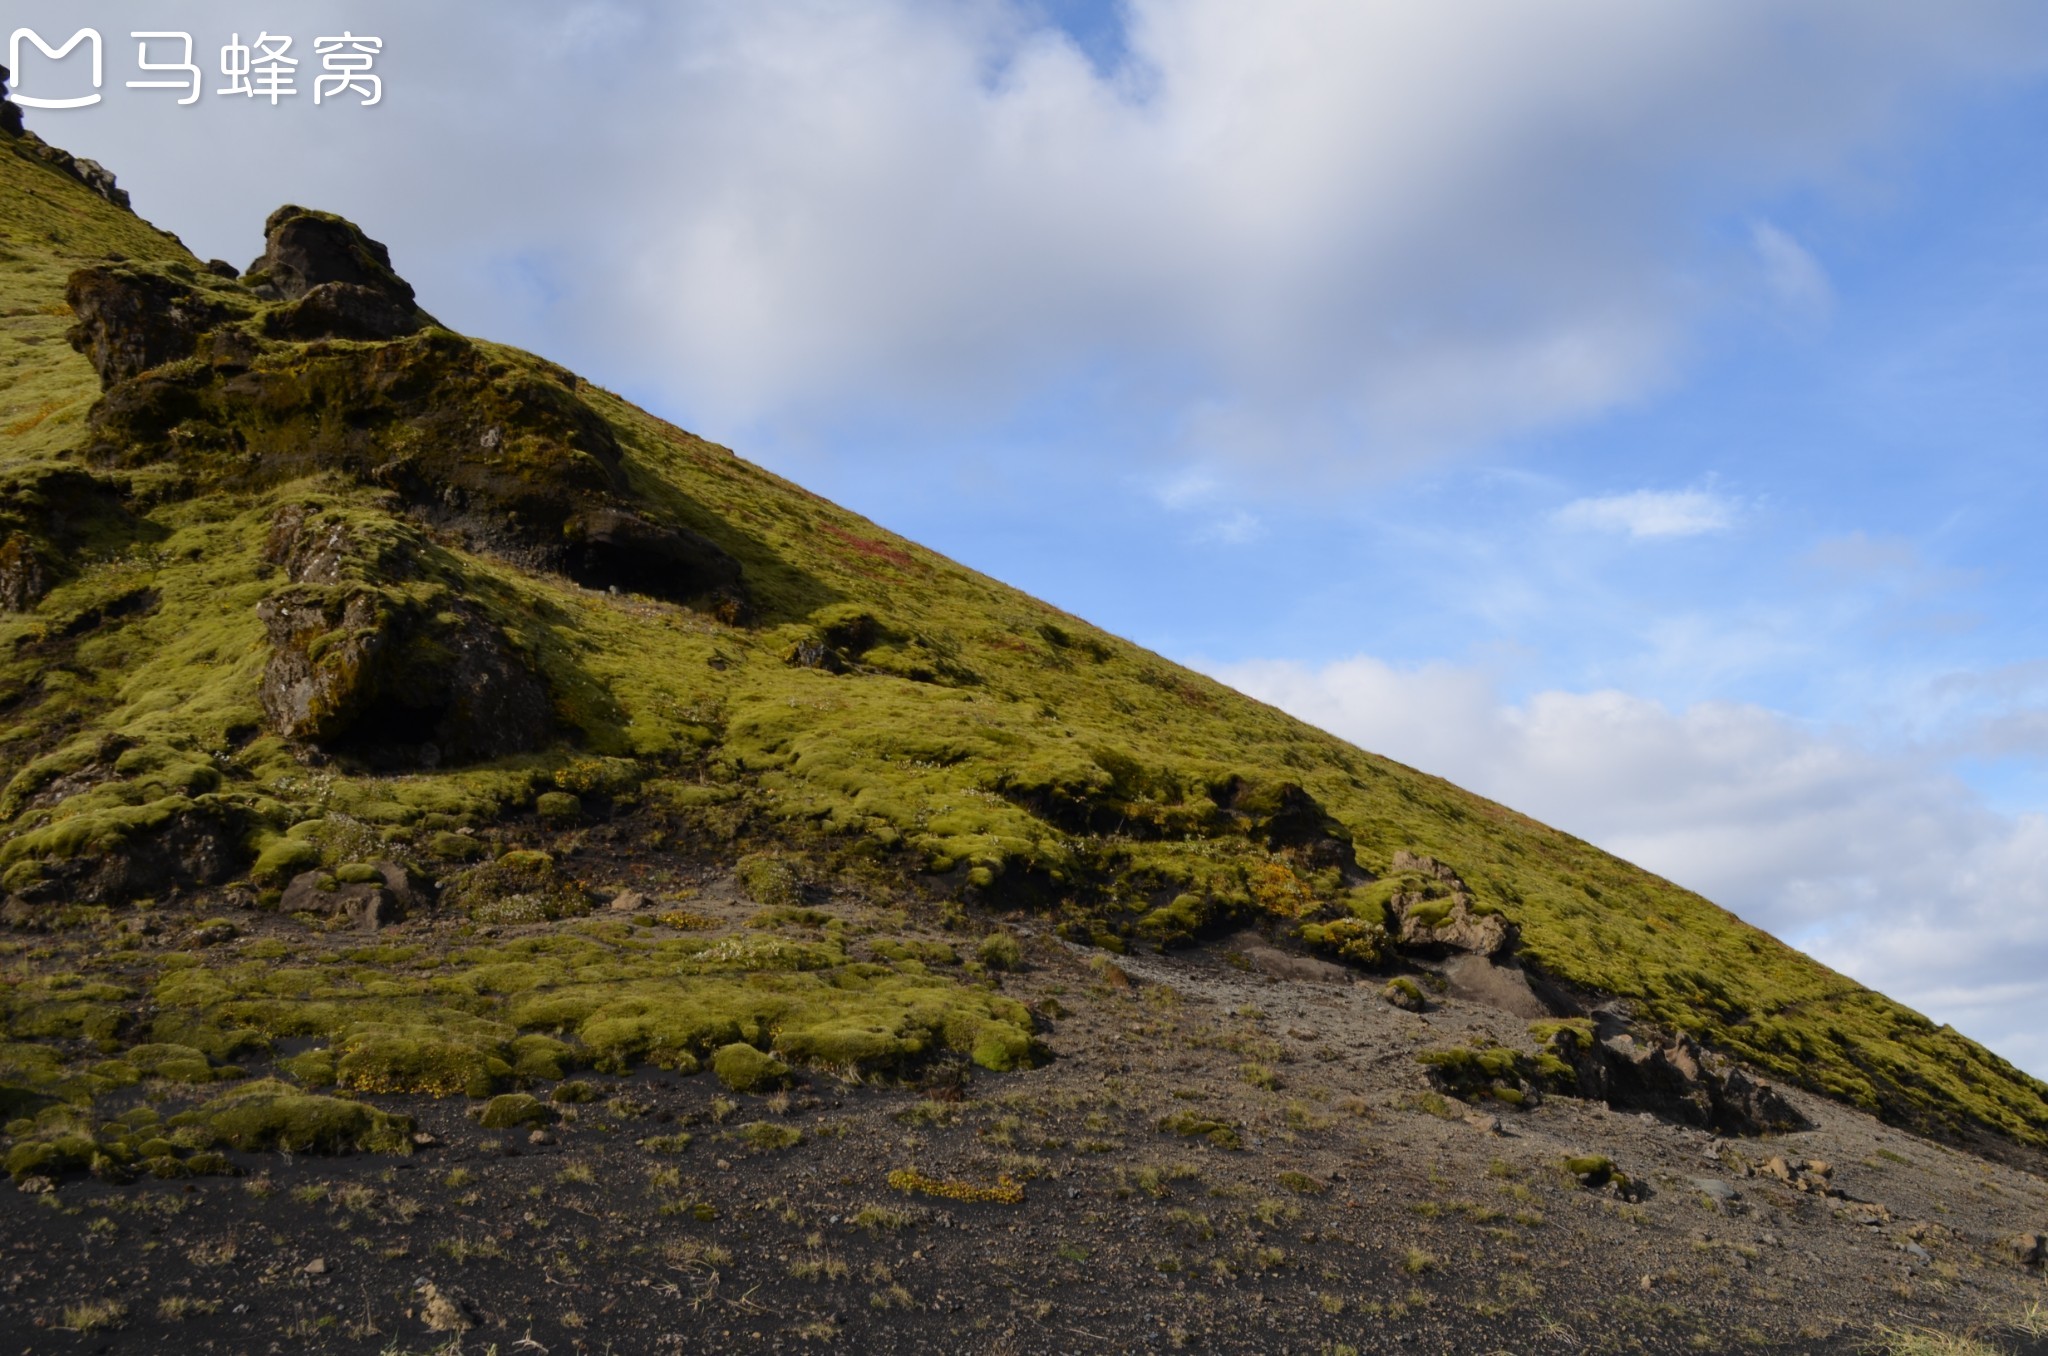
(374,673)
(273,1115)
(511,1110)
(744,1069)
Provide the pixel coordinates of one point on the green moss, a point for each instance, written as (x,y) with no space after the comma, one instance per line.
(420,1059)
(314,1068)
(282,858)
(271,1115)
(513,1111)
(1352,939)
(767,1136)
(745,1069)
(970,727)
(1404,992)
(770,878)
(999,951)
(1190,1125)
(519,887)
(454,847)
(559,806)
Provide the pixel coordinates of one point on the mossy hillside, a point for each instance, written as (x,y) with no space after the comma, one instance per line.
(881,703)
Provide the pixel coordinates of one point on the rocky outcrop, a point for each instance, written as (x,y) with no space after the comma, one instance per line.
(502,455)
(130,320)
(24,575)
(304,250)
(191,845)
(379,676)
(1442,914)
(32,147)
(1672,1077)
(45,513)
(369,896)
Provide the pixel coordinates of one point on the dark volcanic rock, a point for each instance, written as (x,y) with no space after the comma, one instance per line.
(24,575)
(1678,1079)
(131,320)
(10,113)
(378,895)
(304,249)
(46,512)
(376,675)
(339,310)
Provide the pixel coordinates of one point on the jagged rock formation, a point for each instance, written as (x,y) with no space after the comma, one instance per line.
(32,147)
(203,373)
(1445,915)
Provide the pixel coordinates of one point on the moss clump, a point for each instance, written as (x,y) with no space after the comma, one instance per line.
(282,858)
(770,878)
(519,887)
(999,951)
(314,1068)
(455,847)
(744,1069)
(1597,1170)
(512,1110)
(1405,993)
(558,806)
(1189,1125)
(767,1136)
(273,1115)
(573,1092)
(173,1063)
(1004,1192)
(1478,1073)
(382,1058)
(1353,939)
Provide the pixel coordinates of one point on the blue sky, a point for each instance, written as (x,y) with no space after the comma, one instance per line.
(1633,413)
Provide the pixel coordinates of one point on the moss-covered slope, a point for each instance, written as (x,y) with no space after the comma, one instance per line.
(283,562)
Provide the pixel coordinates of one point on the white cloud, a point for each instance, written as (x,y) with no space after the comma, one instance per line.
(1881,865)
(1650,513)
(1297,232)
(1794,275)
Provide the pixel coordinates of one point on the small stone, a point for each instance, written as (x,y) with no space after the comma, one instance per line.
(1917,1253)
(422,1140)
(1721,1192)
(541,1137)
(316,1267)
(441,1313)
(723,1166)
(626,901)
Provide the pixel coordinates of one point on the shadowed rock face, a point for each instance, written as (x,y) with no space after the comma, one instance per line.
(373,674)
(304,250)
(10,114)
(130,320)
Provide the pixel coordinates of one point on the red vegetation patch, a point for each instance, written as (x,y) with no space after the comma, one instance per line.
(867,547)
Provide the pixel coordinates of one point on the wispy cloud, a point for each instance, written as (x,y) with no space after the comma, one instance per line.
(1309,233)
(1795,277)
(1651,513)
